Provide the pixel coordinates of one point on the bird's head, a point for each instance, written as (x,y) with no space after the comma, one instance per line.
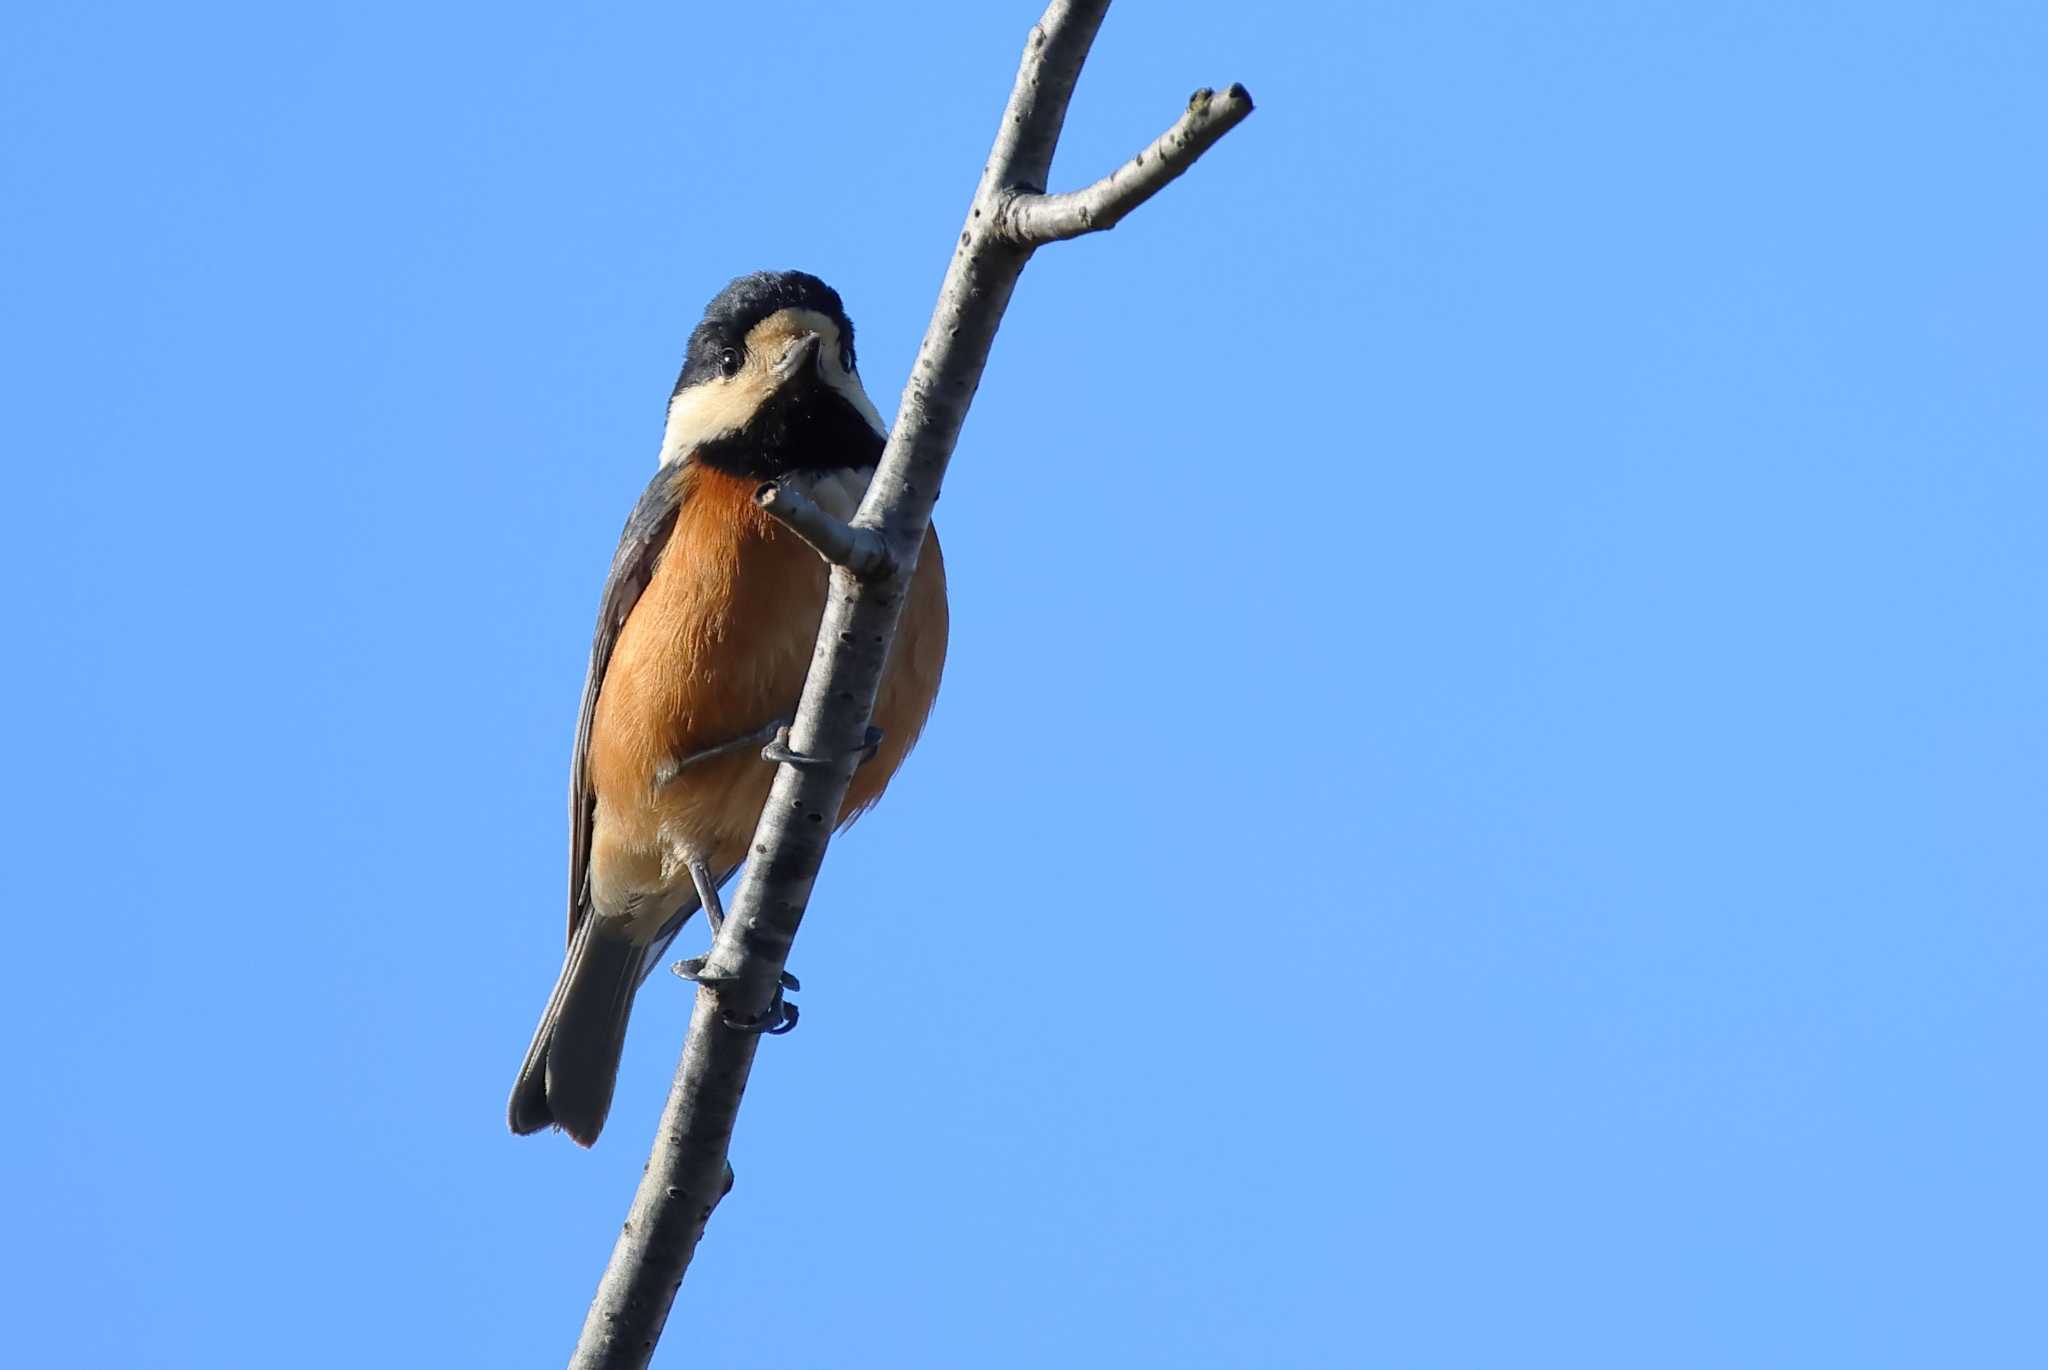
(768,384)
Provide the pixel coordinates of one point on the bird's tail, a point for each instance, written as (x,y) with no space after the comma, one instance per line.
(571,1067)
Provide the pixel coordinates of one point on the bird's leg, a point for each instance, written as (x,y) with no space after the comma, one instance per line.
(767,732)
(773,739)
(707,893)
(781,1016)
(714,910)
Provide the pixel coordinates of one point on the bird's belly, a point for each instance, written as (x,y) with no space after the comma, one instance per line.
(641,848)
(716,648)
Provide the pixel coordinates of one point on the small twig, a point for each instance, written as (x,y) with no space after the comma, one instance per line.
(859,550)
(1033,220)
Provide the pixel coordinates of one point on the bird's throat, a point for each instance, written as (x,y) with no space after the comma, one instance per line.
(812,429)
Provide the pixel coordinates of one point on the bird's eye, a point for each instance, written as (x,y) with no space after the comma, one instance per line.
(729,361)
(846,359)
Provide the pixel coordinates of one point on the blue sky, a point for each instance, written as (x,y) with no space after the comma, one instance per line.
(1487,807)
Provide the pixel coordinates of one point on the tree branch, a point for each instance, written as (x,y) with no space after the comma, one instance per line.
(859,550)
(686,1174)
(1034,220)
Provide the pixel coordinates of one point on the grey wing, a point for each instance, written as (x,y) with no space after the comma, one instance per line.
(645,537)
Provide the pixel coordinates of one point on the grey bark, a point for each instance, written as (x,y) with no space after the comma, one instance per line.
(739,981)
(860,550)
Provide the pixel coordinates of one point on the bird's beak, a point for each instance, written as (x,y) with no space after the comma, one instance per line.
(799,356)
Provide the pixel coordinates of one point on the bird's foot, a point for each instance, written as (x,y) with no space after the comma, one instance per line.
(692,969)
(779,751)
(773,740)
(778,1018)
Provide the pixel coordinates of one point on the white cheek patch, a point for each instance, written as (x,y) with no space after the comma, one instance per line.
(838,493)
(701,413)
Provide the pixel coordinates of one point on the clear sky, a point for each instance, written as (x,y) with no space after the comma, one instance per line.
(1488,803)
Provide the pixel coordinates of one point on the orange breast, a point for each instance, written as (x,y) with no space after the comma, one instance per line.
(718,646)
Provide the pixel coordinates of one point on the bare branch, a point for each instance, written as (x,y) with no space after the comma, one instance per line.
(1030,130)
(859,550)
(739,980)
(1034,220)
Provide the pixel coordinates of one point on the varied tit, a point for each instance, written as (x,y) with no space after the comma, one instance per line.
(704,635)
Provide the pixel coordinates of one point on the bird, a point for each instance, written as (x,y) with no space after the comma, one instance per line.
(705,631)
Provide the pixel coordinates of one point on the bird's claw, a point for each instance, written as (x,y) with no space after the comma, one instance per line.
(779,1018)
(775,1021)
(692,969)
(779,751)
